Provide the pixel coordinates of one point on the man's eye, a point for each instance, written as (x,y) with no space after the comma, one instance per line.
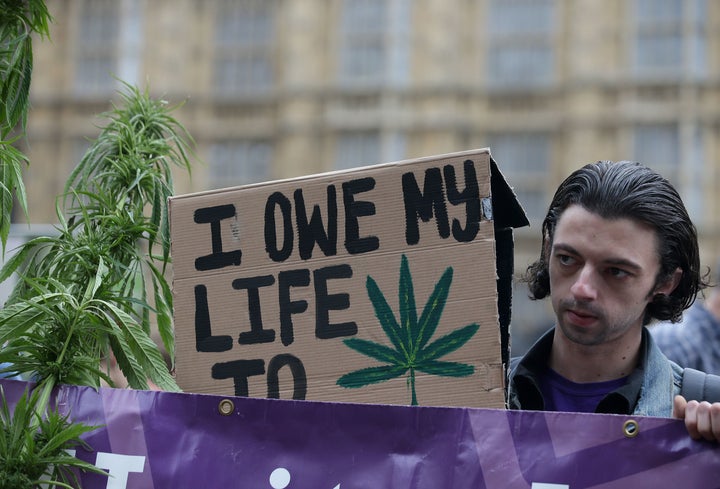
(565,259)
(618,272)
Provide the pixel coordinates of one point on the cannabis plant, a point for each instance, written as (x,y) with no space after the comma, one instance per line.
(29,444)
(18,21)
(97,286)
(410,337)
(90,290)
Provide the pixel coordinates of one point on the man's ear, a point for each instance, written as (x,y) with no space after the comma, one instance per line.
(670,283)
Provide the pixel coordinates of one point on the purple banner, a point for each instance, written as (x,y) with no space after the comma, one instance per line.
(164,440)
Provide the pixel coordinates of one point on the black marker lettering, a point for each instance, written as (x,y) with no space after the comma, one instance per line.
(311,232)
(239,371)
(271,246)
(325,302)
(204,340)
(218,258)
(354,244)
(470,196)
(423,205)
(293,278)
(298,374)
(256,334)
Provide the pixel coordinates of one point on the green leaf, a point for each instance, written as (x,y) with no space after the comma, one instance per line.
(127,363)
(95,281)
(371,375)
(165,228)
(446,369)
(16,166)
(143,349)
(32,445)
(61,433)
(386,317)
(156,216)
(13,161)
(16,319)
(408,314)
(447,343)
(163,305)
(20,257)
(19,81)
(434,307)
(375,350)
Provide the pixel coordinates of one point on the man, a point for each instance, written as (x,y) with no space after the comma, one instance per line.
(695,341)
(618,250)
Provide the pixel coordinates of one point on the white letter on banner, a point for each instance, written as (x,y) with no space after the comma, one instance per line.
(119,466)
(543,485)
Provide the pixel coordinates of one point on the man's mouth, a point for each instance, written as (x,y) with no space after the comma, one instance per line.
(580,317)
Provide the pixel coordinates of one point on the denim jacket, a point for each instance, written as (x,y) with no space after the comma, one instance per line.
(656,380)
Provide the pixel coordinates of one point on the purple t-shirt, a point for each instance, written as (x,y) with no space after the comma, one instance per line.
(561,394)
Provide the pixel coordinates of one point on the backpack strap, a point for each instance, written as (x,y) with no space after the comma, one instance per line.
(700,386)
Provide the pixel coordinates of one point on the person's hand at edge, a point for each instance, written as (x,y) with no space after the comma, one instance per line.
(702,419)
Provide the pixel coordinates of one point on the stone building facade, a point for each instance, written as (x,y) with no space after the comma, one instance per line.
(280,88)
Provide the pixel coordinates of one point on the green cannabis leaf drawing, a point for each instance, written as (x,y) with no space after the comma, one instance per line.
(411,351)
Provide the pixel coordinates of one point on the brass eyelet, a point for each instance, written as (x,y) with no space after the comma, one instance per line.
(631,428)
(226,407)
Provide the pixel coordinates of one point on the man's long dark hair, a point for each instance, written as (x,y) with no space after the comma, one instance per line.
(630,190)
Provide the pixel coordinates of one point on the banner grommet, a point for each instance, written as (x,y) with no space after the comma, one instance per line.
(226,407)
(631,428)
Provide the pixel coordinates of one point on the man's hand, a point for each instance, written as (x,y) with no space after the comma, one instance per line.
(702,419)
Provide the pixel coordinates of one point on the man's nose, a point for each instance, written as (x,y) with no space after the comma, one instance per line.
(584,287)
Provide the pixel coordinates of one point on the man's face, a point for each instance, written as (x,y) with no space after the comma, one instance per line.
(602,274)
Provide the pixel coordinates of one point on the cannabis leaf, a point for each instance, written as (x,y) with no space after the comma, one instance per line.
(409,337)
(19,24)
(34,449)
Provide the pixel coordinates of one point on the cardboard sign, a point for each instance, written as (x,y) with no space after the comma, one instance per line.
(375,285)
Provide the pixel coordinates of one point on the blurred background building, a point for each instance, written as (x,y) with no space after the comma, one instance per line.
(280,88)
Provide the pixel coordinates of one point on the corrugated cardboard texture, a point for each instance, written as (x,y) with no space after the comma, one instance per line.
(264,304)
